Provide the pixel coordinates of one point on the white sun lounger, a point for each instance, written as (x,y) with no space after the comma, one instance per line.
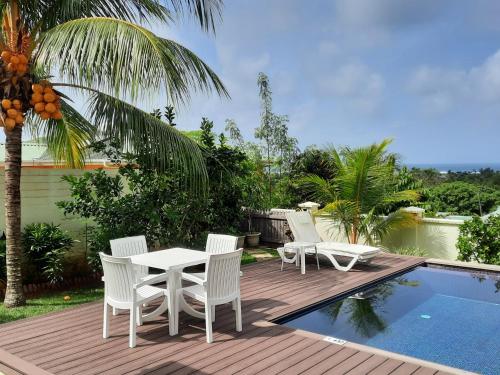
(303,229)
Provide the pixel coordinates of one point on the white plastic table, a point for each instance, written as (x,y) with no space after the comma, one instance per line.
(300,249)
(173,261)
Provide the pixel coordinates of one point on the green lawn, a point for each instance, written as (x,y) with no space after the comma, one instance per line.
(50,302)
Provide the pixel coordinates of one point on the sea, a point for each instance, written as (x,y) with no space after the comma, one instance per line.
(456,167)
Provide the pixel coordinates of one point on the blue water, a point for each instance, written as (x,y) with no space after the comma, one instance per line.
(444,316)
(456,167)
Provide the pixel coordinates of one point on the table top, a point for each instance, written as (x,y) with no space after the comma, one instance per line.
(175,258)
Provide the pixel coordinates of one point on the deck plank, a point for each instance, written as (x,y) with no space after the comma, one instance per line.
(69,341)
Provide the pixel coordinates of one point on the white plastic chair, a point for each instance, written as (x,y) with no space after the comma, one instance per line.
(122,291)
(128,246)
(218,244)
(221,285)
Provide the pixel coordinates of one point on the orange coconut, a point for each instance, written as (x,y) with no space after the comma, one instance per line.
(50,107)
(12,113)
(37,97)
(39,107)
(6,104)
(37,87)
(45,115)
(49,97)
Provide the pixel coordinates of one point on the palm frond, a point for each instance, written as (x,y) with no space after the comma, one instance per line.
(318,188)
(67,139)
(124,59)
(136,130)
(46,14)
(208,12)
(396,220)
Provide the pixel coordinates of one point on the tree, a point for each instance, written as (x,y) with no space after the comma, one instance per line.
(462,198)
(100,49)
(364,184)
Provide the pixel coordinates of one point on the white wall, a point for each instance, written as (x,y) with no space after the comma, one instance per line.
(41,188)
(437,236)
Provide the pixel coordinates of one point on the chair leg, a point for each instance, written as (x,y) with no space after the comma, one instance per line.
(139,315)
(239,322)
(282,261)
(317,259)
(208,322)
(133,325)
(115,311)
(233,303)
(213,313)
(105,323)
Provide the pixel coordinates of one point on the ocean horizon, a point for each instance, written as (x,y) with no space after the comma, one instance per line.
(455,167)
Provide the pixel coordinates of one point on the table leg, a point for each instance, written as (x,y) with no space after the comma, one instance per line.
(302,261)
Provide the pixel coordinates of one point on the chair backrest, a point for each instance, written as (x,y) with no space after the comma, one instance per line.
(220,243)
(302,226)
(119,277)
(223,275)
(127,246)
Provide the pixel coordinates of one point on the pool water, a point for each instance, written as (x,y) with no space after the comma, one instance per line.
(440,315)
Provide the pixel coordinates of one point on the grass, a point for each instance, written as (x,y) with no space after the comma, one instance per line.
(252,255)
(50,302)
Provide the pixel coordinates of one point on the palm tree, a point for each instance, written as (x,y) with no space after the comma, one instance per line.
(365,183)
(101,49)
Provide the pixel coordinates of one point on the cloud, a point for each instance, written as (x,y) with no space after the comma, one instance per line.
(356,83)
(387,14)
(443,89)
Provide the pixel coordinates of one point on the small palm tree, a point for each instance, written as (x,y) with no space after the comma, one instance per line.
(101,49)
(364,185)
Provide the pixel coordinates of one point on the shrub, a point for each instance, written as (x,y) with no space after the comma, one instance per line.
(45,246)
(479,240)
(462,198)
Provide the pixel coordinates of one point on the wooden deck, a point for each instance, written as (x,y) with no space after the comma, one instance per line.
(70,342)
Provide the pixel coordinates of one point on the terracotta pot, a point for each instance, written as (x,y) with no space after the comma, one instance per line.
(253,239)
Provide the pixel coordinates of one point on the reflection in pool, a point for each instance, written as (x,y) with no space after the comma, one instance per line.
(445,316)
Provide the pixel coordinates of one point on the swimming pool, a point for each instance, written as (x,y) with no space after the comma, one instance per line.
(446,316)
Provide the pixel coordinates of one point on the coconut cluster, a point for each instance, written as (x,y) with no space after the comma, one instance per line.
(15,62)
(45,101)
(12,114)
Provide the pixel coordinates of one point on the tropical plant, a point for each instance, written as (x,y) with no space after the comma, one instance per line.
(99,49)
(364,184)
(45,246)
(479,241)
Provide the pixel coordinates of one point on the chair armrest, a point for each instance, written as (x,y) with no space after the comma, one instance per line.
(194,279)
(154,280)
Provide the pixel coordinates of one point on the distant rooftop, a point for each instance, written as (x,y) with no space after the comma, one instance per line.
(35,154)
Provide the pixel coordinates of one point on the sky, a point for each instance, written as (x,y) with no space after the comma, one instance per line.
(352,72)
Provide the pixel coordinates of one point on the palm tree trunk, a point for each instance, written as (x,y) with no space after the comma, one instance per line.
(14,295)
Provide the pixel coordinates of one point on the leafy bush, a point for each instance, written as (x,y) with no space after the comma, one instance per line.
(462,198)
(479,240)
(45,246)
